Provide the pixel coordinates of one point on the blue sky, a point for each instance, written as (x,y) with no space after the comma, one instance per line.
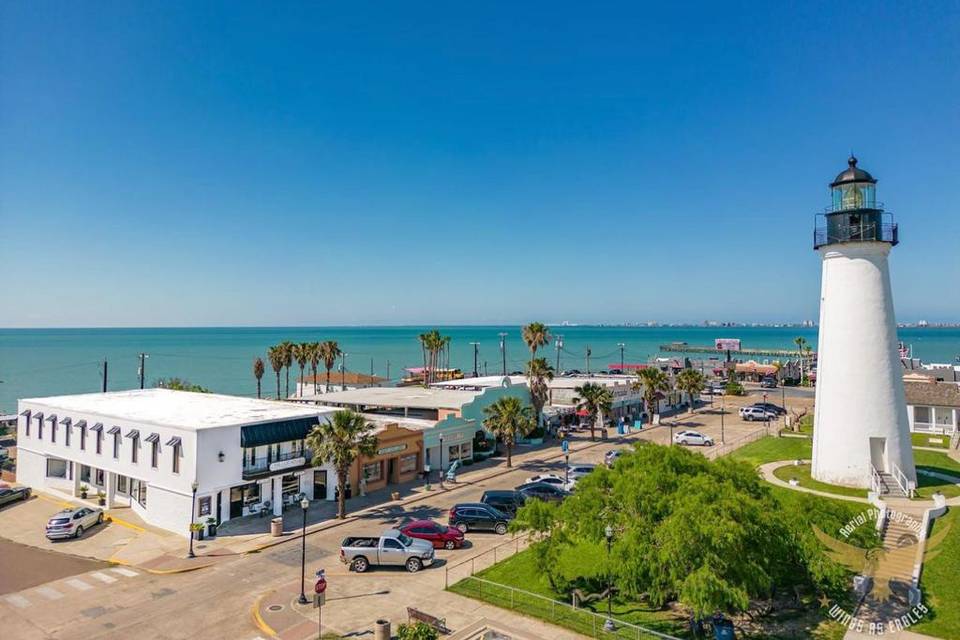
(403,163)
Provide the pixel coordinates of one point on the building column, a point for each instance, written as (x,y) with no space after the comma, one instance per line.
(110,482)
(223,498)
(277,486)
(76,480)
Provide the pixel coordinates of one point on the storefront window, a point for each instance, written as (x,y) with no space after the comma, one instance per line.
(921,414)
(291,485)
(122,484)
(251,493)
(372,471)
(84,473)
(408,463)
(98,478)
(204,506)
(56,468)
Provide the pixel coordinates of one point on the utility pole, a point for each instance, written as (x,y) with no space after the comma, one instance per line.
(142,370)
(104,375)
(559,347)
(343,371)
(503,351)
(388,370)
(476,353)
(484,367)
(621,345)
(588,360)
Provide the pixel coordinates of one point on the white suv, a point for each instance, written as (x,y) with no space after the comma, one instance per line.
(693,437)
(756,413)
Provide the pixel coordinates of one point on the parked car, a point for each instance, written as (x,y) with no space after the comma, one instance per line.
(769,406)
(768,382)
(693,437)
(393,548)
(611,456)
(577,471)
(439,535)
(13,494)
(71,523)
(547,478)
(507,501)
(751,414)
(478,516)
(543,491)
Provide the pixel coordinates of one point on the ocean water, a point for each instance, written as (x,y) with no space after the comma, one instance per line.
(40,362)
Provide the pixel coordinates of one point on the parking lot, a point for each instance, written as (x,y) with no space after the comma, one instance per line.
(22,567)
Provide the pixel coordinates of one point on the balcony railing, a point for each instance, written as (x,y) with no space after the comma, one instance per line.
(884,232)
(263,464)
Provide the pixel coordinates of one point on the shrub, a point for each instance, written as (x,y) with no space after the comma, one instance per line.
(416,631)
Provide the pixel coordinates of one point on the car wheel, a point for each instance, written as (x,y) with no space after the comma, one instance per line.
(414,565)
(78,532)
(500,529)
(449,545)
(462,527)
(100,519)
(683,442)
(360,565)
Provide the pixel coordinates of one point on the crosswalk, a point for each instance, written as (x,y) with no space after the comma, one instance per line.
(76,584)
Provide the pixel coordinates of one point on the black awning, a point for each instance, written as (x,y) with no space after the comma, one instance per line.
(173,442)
(153,437)
(81,423)
(26,412)
(114,430)
(52,418)
(133,433)
(97,427)
(66,421)
(258,435)
(39,416)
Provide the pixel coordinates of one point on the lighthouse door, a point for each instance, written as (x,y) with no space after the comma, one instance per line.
(878,453)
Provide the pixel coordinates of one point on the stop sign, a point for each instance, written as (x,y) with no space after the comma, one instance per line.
(321,585)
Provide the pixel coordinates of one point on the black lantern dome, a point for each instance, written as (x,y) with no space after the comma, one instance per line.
(854,214)
(853,173)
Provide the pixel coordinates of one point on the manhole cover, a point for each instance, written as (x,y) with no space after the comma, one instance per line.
(275,607)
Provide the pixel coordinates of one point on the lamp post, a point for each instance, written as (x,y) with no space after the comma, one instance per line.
(608,625)
(503,355)
(560,346)
(193,506)
(476,354)
(426,477)
(441,461)
(304,504)
(722,405)
(621,345)
(566,469)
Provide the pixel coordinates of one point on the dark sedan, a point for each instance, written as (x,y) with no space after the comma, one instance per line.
(441,536)
(543,491)
(14,494)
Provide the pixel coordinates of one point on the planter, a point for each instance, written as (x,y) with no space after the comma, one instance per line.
(212,530)
(83,494)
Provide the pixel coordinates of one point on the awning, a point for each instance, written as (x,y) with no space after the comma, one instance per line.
(114,430)
(173,442)
(97,427)
(258,435)
(81,423)
(39,416)
(26,413)
(52,418)
(153,437)
(133,433)
(66,421)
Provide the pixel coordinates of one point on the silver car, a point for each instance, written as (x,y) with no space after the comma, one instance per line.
(392,548)
(71,523)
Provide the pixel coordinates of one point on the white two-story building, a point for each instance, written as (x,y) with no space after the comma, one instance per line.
(147,448)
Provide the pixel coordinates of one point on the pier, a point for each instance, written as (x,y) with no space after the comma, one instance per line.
(683,347)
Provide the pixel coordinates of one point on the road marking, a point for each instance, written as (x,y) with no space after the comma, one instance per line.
(124,572)
(18,601)
(49,593)
(79,585)
(102,577)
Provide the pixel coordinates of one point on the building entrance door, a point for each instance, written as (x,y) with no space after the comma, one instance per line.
(236,502)
(878,453)
(319,484)
(391,470)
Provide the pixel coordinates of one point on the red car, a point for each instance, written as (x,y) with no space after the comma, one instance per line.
(442,536)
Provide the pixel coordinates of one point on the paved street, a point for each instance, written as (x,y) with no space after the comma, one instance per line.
(218,601)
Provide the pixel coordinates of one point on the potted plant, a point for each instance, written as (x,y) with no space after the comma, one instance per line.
(83,491)
(197,529)
(101,498)
(212,527)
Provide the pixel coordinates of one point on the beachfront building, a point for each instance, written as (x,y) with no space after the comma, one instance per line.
(933,407)
(339,381)
(155,450)
(861,430)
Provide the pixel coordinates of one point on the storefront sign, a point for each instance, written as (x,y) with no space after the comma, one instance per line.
(288,464)
(392,449)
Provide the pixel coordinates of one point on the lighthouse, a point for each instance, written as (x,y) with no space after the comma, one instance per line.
(861,434)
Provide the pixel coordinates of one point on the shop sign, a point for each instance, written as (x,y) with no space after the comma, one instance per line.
(288,464)
(397,448)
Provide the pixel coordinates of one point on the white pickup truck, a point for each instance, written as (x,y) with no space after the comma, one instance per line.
(393,548)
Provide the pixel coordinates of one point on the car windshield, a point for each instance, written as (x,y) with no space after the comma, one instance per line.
(405,540)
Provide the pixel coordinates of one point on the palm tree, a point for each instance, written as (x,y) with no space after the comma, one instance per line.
(258,370)
(691,382)
(509,418)
(276,358)
(329,352)
(535,335)
(341,440)
(431,343)
(287,349)
(314,363)
(301,353)
(801,342)
(596,400)
(539,373)
(651,382)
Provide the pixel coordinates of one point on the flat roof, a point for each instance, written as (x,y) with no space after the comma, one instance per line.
(411,397)
(381,422)
(183,409)
(558,382)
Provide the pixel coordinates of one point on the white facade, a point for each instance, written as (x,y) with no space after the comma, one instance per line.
(860,414)
(146,448)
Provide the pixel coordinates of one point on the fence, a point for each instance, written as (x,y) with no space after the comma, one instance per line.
(715,452)
(467,568)
(560,613)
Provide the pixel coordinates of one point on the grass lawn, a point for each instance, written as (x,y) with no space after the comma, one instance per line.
(941,463)
(802,473)
(923,440)
(939,584)
(771,449)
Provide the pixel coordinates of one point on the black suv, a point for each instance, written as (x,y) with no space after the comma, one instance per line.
(476,516)
(507,502)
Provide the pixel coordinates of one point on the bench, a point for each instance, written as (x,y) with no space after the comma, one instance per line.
(440,624)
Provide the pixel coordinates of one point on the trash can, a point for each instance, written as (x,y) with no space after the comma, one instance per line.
(276,527)
(381,630)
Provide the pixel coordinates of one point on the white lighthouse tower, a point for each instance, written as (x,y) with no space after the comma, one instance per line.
(861,434)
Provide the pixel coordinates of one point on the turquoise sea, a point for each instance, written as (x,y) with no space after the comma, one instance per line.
(39,362)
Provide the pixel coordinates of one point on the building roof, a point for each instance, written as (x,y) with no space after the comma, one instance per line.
(852,173)
(411,397)
(932,394)
(558,382)
(182,409)
(345,377)
(752,366)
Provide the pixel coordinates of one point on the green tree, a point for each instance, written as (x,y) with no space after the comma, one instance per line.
(535,335)
(315,357)
(801,343)
(258,371)
(286,348)
(341,440)
(301,353)
(596,400)
(180,384)
(276,358)
(509,418)
(539,374)
(651,382)
(691,382)
(329,352)
(416,631)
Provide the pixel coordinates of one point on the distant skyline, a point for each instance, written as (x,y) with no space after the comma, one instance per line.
(251,164)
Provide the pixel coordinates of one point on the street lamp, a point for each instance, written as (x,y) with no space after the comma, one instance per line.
(566,469)
(441,461)
(722,404)
(426,477)
(608,625)
(193,505)
(304,504)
